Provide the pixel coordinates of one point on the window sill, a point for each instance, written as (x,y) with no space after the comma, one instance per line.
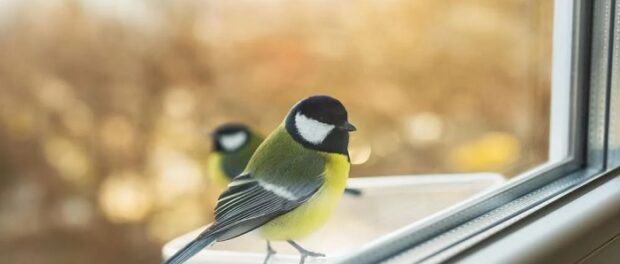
(411,198)
(576,228)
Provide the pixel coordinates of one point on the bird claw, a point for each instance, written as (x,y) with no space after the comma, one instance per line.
(313,254)
(270,252)
(304,252)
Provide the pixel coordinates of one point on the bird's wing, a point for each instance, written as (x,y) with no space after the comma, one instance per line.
(249,203)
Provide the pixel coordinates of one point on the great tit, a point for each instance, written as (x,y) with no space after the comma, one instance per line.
(233,146)
(292,183)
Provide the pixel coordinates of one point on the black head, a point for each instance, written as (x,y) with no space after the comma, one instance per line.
(320,122)
(230,137)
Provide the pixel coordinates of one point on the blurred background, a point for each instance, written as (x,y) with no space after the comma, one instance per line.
(105,106)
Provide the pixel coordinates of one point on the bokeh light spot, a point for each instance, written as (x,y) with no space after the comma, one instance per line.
(423,128)
(175,174)
(69,159)
(359,151)
(493,151)
(75,212)
(125,197)
(179,102)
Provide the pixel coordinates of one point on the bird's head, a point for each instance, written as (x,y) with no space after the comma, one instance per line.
(230,137)
(321,123)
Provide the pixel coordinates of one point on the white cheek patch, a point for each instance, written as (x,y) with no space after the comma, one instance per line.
(312,130)
(233,141)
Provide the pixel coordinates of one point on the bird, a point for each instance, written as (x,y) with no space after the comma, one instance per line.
(233,146)
(291,185)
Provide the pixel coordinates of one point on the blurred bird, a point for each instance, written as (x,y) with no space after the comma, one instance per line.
(233,146)
(292,183)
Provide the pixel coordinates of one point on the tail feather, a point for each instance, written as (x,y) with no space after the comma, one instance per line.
(191,249)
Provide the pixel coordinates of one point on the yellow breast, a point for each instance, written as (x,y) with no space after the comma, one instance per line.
(216,173)
(308,217)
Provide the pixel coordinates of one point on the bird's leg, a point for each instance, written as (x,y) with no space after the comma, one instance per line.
(304,253)
(270,252)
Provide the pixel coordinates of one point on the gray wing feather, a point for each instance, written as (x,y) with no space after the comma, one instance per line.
(247,204)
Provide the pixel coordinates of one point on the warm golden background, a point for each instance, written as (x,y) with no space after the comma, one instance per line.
(105,105)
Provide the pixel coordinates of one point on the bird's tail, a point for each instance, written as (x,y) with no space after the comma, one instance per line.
(192,248)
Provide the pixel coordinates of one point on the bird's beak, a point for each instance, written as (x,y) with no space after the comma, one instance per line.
(211,135)
(348,127)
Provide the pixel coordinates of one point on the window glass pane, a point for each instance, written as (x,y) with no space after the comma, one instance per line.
(105,107)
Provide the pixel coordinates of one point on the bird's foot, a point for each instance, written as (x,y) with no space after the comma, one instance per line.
(312,254)
(302,260)
(270,252)
(304,252)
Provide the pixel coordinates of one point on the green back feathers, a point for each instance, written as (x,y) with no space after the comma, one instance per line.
(282,160)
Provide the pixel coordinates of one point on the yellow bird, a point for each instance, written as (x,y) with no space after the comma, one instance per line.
(291,185)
